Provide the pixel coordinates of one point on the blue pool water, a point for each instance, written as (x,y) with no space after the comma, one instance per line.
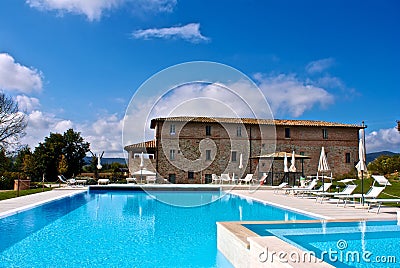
(343,244)
(125,229)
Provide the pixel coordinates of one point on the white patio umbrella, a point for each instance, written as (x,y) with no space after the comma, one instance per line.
(361,166)
(292,167)
(323,164)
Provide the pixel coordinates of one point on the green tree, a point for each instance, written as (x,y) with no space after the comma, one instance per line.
(5,162)
(62,165)
(47,155)
(19,158)
(385,164)
(75,149)
(29,165)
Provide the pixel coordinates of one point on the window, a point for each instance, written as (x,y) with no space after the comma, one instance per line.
(172,154)
(208,178)
(190,175)
(239,131)
(171,178)
(208,130)
(172,129)
(325,133)
(287,132)
(233,157)
(347,157)
(208,155)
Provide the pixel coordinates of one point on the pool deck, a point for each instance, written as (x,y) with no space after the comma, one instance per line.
(327,210)
(13,205)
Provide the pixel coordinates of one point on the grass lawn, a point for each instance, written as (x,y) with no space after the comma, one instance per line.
(12,194)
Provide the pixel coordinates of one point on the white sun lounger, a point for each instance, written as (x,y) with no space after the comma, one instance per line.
(215,179)
(380,201)
(322,189)
(311,186)
(373,193)
(69,182)
(225,178)
(103,181)
(381,180)
(279,187)
(346,191)
(247,179)
(151,179)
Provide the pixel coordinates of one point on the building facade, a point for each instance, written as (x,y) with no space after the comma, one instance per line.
(190,149)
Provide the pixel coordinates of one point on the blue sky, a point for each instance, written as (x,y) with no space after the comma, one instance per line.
(77,63)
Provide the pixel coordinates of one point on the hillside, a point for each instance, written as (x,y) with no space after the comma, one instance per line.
(372,156)
(107,160)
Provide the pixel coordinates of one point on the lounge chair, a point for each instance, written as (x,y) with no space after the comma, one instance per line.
(311,186)
(381,180)
(225,178)
(151,179)
(279,187)
(234,179)
(215,179)
(130,180)
(373,193)
(345,192)
(247,179)
(69,182)
(322,189)
(103,181)
(380,201)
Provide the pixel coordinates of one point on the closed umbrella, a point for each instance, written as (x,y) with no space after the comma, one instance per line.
(141,165)
(99,166)
(361,166)
(292,167)
(323,164)
(285,167)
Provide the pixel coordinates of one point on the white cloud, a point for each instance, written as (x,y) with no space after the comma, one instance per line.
(189,32)
(319,66)
(27,104)
(16,77)
(287,94)
(94,9)
(40,125)
(383,140)
(103,135)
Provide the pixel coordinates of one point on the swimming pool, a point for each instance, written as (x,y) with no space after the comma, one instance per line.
(126,229)
(342,244)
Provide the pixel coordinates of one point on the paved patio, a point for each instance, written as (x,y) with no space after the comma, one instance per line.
(12,205)
(328,209)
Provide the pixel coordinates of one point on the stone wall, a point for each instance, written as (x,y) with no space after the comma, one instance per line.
(190,144)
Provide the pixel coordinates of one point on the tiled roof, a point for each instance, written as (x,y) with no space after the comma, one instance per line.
(253,121)
(146,144)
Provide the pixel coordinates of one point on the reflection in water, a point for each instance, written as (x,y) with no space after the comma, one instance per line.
(363,228)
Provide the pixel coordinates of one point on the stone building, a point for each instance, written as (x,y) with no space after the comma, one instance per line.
(190,149)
